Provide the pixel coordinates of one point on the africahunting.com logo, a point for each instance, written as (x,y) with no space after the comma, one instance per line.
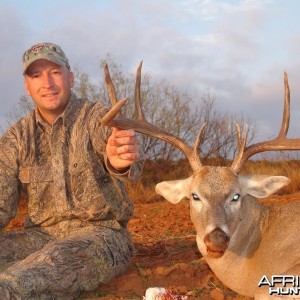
(281,284)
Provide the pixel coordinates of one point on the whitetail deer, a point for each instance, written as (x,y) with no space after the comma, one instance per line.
(241,239)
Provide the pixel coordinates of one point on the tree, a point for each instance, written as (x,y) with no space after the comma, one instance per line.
(177,113)
(166,107)
(220,135)
(23,107)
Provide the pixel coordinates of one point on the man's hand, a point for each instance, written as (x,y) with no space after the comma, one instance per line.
(122,148)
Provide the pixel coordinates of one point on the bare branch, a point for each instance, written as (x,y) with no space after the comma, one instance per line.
(143,126)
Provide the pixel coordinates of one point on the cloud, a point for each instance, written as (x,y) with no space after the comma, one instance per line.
(12,41)
(233,48)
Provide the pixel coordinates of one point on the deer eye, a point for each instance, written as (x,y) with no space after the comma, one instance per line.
(195,197)
(236,197)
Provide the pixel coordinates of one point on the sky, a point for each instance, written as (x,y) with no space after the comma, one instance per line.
(237,50)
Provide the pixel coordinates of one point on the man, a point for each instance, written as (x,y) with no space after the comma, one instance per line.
(70,170)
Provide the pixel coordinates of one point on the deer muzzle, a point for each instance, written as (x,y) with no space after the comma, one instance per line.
(216,243)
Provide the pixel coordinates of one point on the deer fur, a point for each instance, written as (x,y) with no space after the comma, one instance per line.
(262,240)
(241,239)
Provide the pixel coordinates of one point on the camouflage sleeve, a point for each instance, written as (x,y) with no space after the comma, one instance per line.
(99,136)
(9,182)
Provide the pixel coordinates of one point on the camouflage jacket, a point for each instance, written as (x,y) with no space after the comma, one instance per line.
(63,172)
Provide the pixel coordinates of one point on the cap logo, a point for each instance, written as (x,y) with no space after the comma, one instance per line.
(37,48)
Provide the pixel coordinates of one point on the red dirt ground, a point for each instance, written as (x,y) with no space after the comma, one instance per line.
(167,256)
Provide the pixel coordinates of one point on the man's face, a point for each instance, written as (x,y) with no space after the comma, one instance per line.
(49,86)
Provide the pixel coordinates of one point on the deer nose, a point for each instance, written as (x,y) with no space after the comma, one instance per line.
(216,242)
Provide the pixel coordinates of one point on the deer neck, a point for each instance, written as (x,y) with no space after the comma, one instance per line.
(248,235)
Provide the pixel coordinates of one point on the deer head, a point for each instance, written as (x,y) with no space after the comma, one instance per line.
(219,196)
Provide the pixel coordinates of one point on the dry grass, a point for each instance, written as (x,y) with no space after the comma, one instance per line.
(289,169)
(143,190)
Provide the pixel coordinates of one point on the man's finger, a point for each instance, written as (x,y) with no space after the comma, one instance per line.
(119,133)
(129,156)
(127,149)
(122,141)
(126,140)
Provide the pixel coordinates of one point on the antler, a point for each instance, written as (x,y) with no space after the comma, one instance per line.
(277,144)
(114,118)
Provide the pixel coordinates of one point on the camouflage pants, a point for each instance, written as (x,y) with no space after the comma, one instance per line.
(43,268)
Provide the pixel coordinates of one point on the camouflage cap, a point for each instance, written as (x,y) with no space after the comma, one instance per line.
(46,51)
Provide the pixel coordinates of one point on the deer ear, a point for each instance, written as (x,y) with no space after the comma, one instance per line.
(261,186)
(175,190)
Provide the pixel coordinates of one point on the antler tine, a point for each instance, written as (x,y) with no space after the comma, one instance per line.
(137,93)
(141,125)
(235,166)
(280,143)
(108,119)
(199,138)
(116,105)
(110,86)
(286,110)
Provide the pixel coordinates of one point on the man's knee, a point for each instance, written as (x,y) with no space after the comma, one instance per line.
(77,263)
(9,289)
